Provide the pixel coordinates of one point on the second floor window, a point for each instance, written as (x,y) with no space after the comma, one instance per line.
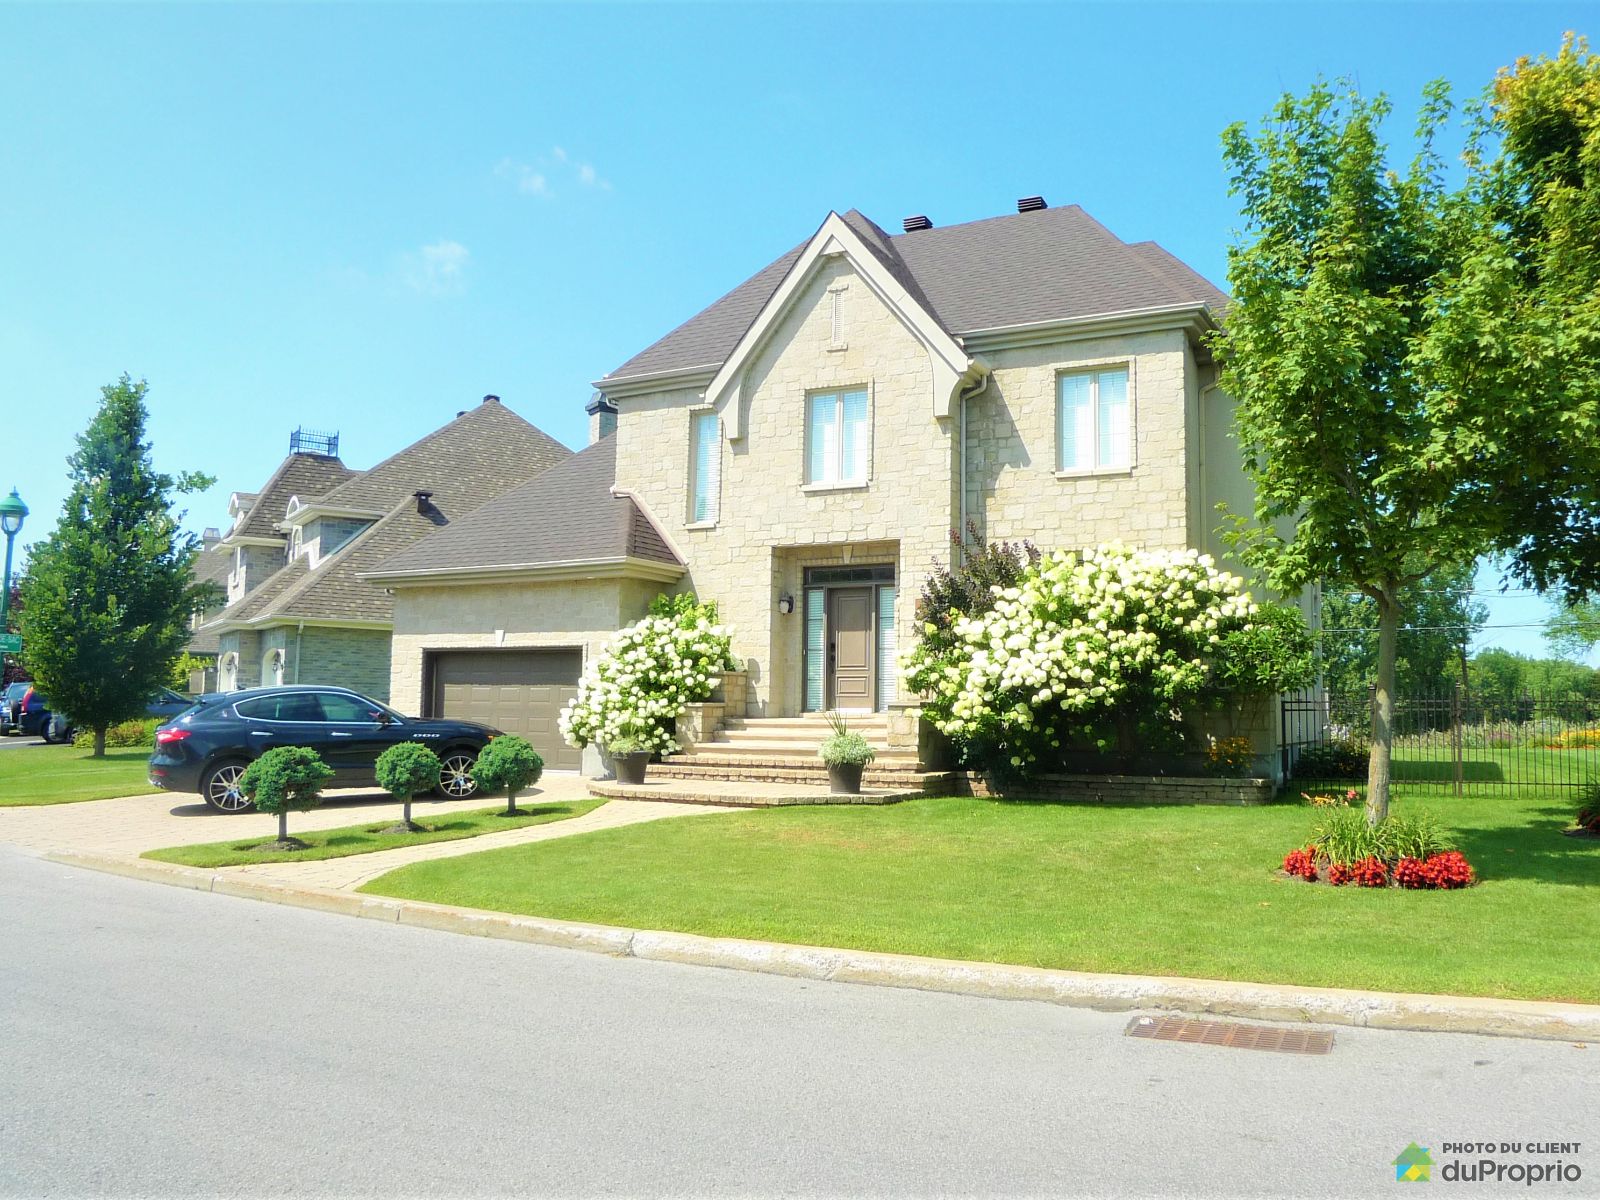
(838,436)
(1092,424)
(705,467)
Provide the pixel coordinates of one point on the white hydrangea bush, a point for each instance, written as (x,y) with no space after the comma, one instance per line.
(1082,638)
(648,675)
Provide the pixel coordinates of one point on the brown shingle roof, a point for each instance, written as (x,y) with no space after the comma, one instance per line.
(1050,265)
(467,463)
(303,475)
(567,514)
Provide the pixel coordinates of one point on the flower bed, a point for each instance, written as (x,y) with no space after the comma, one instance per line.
(1404,852)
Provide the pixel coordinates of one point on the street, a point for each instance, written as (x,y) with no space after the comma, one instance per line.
(159,1041)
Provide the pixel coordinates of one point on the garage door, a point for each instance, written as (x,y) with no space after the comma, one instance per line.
(519,691)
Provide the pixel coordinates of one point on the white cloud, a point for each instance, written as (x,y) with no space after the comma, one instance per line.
(541,176)
(438,269)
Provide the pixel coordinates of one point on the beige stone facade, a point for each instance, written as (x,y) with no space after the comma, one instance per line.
(771,525)
(574,613)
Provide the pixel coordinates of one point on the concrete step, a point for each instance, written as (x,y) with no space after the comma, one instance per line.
(774,749)
(786,737)
(863,721)
(907,776)
(742,793)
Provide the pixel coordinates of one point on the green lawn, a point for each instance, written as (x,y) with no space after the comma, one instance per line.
(364,839)
(1154,890)
(36,774)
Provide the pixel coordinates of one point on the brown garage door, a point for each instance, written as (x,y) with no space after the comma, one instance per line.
(520,691)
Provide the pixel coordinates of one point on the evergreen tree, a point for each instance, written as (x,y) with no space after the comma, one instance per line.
(108,594)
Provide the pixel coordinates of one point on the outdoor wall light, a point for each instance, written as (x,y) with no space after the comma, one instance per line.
(786,604)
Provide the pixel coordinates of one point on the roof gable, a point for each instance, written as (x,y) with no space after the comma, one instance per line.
(875,262)
(298,475)
(1055,264)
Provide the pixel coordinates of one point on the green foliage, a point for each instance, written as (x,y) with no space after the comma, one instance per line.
(684,609)
(1345,836)
(1401,377)
(109,592)
(507,764)
(122,735)
(630,743)
(1337,758)
(1503,684)
(182,667)
(407,769)
(967,586)
(1574,627)
(1271,654)
(844,747)
(285,780)
(1439,616)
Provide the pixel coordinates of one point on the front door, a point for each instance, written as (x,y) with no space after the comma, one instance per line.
(850,626)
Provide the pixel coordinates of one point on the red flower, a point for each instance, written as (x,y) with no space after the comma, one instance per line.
(1300,863)
(1448,870)
(1369,872)
(1411,873)
(1340,874)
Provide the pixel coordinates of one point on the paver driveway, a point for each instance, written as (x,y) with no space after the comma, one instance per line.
(133,824)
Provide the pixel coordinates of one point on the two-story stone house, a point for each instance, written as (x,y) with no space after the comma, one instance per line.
(801,450)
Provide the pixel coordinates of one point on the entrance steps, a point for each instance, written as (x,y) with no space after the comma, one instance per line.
(782,752)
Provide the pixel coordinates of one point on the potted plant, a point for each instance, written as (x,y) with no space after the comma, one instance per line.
(847,754)
(630,751)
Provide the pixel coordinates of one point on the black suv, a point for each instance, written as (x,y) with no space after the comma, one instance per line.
(207,748)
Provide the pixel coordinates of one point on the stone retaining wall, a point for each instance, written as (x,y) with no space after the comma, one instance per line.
(1129,789)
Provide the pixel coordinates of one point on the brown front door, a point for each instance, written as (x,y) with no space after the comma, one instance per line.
(850,647)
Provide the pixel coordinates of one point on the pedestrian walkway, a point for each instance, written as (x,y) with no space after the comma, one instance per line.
(356,869)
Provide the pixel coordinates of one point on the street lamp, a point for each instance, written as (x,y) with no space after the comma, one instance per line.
(12,512)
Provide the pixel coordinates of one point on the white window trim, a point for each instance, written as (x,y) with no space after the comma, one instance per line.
(1097,468)
(837,484)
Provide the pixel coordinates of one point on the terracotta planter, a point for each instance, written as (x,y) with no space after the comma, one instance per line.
(844,779)
(630,767)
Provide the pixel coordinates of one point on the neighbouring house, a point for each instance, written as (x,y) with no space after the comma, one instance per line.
(800,451)
(296,608)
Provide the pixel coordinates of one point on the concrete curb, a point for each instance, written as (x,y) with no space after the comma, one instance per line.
(997,981)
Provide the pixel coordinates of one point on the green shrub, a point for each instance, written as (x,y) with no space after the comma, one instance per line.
(1589,805)
(1417,836)
(1341,758)
(288,779)
(405,770)
(508,764)
(124,735)
(1271,654)
(1346,837)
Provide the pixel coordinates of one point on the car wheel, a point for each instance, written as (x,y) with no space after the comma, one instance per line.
(455,775)
(220,788)
(55,733)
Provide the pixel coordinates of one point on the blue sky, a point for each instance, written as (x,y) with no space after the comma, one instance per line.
(365,217)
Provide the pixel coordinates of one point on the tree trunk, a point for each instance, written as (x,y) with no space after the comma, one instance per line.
(1378,766)
(406,819)
(283,826)
(100,743)
(511,803)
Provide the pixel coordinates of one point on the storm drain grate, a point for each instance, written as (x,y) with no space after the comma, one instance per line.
(1276,1038)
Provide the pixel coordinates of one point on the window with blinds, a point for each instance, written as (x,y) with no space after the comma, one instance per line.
(886,648)
(838,436)
(1093,429)
(816,656)
(705,467)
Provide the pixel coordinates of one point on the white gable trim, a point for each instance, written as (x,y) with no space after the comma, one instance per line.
(954,371)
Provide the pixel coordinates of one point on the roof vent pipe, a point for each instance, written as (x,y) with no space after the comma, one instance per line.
(1031,204)
(423,499)
(912,224)
(491,399)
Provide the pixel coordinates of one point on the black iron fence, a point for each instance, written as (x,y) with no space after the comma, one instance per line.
(1452,739)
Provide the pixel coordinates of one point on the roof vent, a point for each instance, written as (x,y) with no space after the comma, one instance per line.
(310,441)
(491,399)
(917,222)
(1031,204)
(423,501)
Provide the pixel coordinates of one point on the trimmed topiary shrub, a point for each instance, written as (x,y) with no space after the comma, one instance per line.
(288,779)
(510,765)
(406,770)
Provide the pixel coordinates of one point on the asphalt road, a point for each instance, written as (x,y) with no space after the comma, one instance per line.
(163,1042)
